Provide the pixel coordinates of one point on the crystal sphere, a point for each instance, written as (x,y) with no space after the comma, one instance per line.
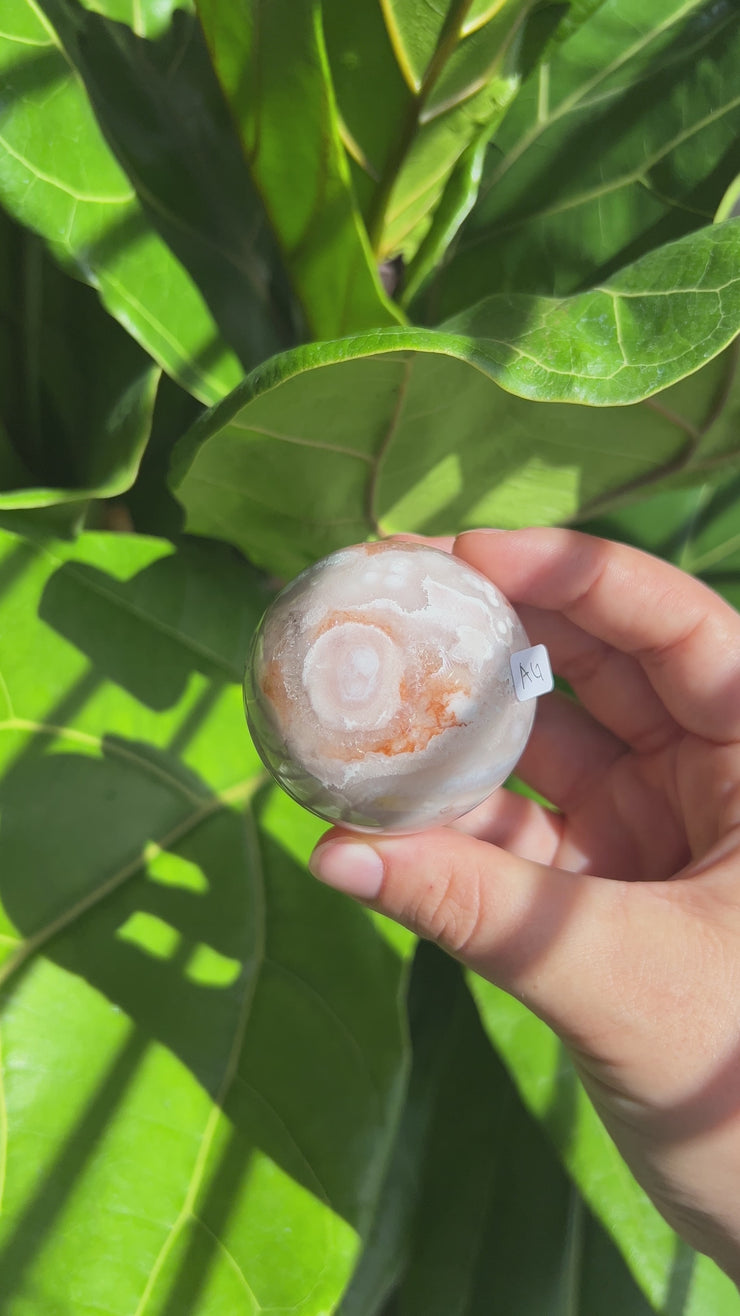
(378,689)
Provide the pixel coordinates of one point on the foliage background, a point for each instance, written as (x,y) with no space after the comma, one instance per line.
(275,276)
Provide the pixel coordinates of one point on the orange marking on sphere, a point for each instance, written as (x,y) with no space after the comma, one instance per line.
(371,550)
(349,616)
(274,688)
(424,713)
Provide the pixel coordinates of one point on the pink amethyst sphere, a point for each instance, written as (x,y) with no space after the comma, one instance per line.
(378,689)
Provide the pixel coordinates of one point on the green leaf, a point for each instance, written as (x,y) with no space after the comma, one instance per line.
(77,394)
(677,1281)
(150,502)
(444,85)
(174,241)
(455,203)
(729,206)
(578,11)
(147,18)
(709,542)
(271,60)
(477,1215)
(417,430)
(624,140)
(201,1047)
(695,527)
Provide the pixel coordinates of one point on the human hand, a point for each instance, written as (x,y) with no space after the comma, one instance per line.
(616,919)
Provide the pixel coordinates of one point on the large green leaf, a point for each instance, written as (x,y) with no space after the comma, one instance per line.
(624,140)
(76,393)
(416,85)
(201,1048)
(175,240)
(477,1215)
(707,543)
(698,528)
(677,1281)
(271,61)
(417,430)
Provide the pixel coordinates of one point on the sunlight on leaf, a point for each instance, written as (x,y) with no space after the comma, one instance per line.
(624,140)
(324,445)
(197,1087)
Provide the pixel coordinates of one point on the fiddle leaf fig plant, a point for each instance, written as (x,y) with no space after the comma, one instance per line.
(277,276)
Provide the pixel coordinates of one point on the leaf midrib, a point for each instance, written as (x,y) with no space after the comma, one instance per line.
(240,792)
(230,1070)
(109,747)
(613,185)
(575,99)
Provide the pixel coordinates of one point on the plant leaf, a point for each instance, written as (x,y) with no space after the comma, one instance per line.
(677,1281)
(417,430)
(697,527)
(201,1047)
(444,86)
(272,64)
(150,502)
(77,395)
(729,206)
(455,203)
(474,1191)
(208,281)
(147,18)
(624,140)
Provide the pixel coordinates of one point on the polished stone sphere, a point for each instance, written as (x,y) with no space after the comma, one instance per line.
(379,692)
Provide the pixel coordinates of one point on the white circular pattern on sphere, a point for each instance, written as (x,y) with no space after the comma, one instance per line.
(378,689)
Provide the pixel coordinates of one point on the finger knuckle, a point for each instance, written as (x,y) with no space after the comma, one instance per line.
(451,909)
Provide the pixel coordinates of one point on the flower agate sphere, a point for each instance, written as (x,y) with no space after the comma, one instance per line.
(379,691)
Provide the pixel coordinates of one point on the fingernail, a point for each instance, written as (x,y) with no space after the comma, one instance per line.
(349,866)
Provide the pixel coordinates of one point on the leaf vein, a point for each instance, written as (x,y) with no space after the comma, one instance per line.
(26,41)
(269,1106)
(322,523)
(44,22)
(156,623)
(230,1070)
(214,390)
(331,1013)
(576,98)
(230,1258)
(43,177)
(618,329)
(240,792)
(111,747)
(303,443)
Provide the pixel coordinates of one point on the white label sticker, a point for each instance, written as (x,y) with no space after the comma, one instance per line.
(531,671)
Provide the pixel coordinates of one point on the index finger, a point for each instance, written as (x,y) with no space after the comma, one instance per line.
(685,637)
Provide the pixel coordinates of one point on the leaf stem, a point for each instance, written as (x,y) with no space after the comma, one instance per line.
(447,42)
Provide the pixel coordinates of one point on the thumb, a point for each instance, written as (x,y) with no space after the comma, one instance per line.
(545,935)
